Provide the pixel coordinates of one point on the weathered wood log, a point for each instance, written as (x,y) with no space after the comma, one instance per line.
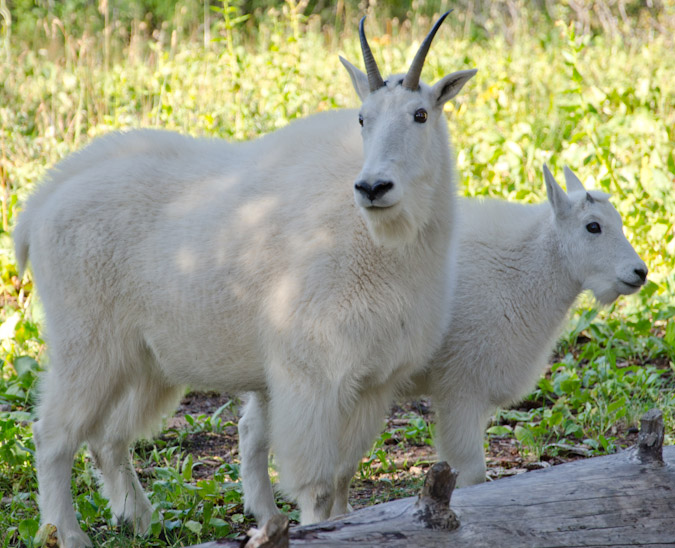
(625,499)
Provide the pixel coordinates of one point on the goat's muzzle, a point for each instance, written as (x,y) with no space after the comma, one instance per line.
(373,192)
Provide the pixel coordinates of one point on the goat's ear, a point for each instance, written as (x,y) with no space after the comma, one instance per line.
(449,86)
(359,79)
(559,201)
(572,181)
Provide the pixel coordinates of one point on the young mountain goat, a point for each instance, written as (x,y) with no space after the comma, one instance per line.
(243,267)
(519,270)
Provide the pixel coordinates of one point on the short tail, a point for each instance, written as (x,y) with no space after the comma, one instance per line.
(31,212)
(21,238)
(22,230)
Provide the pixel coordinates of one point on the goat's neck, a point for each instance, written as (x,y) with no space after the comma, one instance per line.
(548,290)
(436,233)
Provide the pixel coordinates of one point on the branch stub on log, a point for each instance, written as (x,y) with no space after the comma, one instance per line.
(274,534)
(650,439)
(433,505)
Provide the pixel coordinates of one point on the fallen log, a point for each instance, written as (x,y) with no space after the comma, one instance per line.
(625,499)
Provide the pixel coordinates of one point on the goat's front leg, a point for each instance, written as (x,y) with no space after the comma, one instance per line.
(254,447)
(460,425)
(358,433)
(341,503)
(305,421)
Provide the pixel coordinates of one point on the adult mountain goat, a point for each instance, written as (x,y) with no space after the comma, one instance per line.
(302,265)
(519,270)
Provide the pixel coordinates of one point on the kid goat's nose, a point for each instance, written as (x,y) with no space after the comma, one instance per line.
(642,273)
(379,189)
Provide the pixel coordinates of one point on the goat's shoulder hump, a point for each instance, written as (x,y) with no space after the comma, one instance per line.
(329,129)
(493,212)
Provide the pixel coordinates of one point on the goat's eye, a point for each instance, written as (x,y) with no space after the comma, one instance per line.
(420,116)
(593,228)
(361,120)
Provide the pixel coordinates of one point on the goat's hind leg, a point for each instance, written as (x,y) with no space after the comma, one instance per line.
(128,502)
(138,411)
(72,402)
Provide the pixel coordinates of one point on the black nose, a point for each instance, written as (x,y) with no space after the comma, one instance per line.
(379,189)
(642,272)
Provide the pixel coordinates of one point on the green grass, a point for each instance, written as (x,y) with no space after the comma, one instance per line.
(604,106)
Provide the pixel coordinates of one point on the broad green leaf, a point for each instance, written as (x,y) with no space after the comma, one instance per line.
(194,526)
(28,528)
(500,430)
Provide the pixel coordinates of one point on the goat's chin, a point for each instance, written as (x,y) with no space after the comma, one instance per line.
(606,295)
(390,227)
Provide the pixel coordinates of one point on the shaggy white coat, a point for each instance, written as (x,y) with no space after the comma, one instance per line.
(519,270)
(165,261)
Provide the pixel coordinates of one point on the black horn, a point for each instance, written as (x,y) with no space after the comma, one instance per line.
(374,77)
(412,78)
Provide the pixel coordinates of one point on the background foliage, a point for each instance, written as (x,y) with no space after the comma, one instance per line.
(586,84)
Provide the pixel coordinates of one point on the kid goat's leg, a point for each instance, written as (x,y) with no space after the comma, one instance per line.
(460,426)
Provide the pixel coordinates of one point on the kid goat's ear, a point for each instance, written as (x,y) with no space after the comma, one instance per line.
(449,86)
(572,181)
(359,79)
(559,201)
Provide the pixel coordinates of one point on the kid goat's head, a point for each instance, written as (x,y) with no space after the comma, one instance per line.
(590,232)
(407,162)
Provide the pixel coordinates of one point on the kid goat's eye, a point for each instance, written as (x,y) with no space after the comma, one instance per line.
(593,228)
(361,120)
(420,116)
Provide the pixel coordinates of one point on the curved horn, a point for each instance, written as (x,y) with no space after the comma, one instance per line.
(412,78)
(374,78)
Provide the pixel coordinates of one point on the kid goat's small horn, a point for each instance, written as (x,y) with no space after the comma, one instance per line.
(412,78)
(374,78)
